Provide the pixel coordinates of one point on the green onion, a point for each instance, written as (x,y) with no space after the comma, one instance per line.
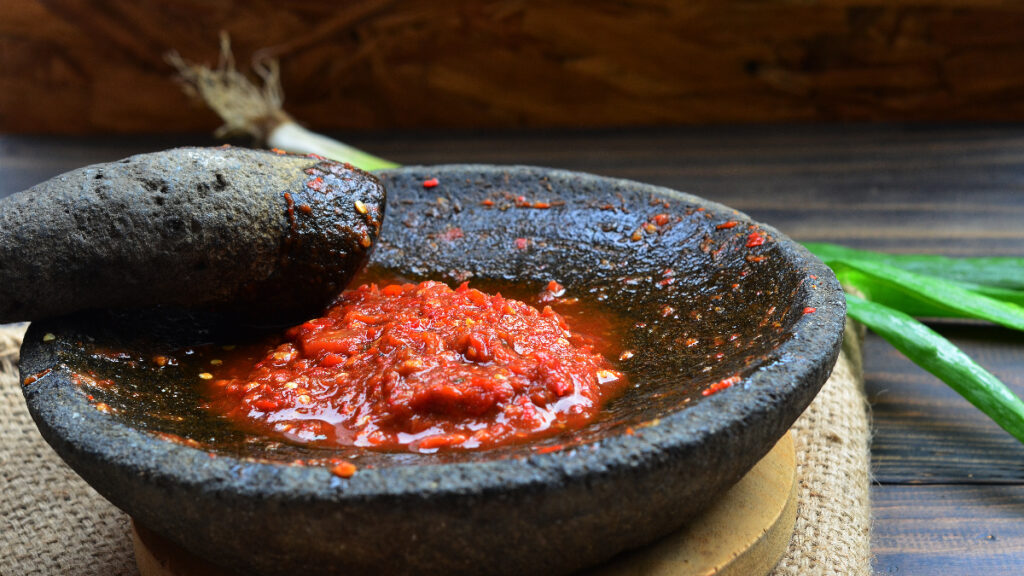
(1004,294)
(883,293)
(900,287)
(931,291)
(294,138)
(998,272)
(994,272)
(940,357)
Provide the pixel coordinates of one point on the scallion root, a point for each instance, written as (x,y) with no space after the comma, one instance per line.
(257,111)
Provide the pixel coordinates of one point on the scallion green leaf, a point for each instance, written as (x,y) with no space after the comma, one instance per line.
(997,272)
(1004,294)
(883,294)
(940,357)
(897,298)
(929,290)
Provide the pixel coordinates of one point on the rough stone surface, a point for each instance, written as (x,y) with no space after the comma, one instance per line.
(747,303)
(220,228)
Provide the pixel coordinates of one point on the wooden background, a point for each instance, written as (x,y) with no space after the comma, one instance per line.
(72,66)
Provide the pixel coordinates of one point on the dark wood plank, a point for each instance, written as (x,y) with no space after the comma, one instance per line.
(948,530)
(924,432)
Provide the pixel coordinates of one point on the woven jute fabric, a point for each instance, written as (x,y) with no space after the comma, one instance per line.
(53,523)
(833,443)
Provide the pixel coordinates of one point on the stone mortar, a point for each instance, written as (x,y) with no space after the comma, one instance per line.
(770,314)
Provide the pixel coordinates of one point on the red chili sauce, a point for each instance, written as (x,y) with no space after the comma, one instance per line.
(420,367)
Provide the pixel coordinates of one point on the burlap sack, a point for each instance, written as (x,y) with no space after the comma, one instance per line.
(54,523)
(833,442)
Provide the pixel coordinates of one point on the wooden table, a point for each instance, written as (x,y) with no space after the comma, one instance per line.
(949,492)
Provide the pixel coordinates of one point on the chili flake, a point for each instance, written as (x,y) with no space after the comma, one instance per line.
(452,234)
(316,184)
(30,379)
(344,470)
(721,385)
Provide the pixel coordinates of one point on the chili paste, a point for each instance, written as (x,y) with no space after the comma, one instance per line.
(419,367)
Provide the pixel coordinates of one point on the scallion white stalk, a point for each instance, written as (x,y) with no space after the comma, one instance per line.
(292,137)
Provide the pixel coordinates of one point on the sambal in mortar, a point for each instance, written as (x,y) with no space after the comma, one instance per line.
(420,367)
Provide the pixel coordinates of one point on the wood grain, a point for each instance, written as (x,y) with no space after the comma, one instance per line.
(927,434)
(74,66)
(967,530)
(950,498)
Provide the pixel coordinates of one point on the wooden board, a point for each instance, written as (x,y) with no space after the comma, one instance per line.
(68,66)
(926,433)
(744,534)
(942,529)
